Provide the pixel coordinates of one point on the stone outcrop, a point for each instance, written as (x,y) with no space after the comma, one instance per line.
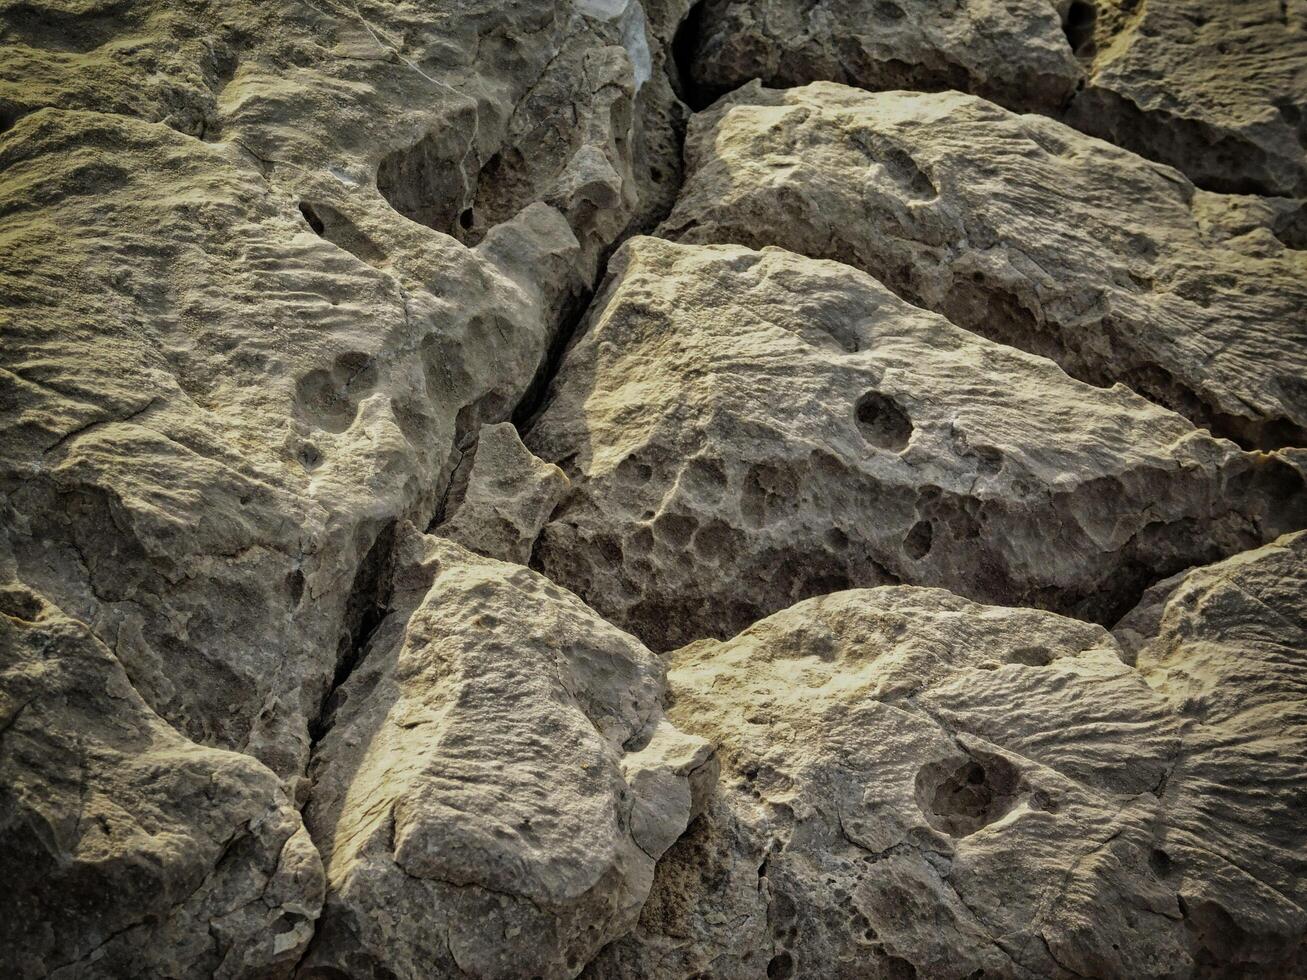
(916,785)
(1022,229)
(1218,90)
(1015,53)
(128,850)
(744,429)
(501,496)
(497,781)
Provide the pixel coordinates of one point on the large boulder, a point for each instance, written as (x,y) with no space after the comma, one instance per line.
(1217,89)
(1024,230)
(744,429)
(497,780)
(1014,53)
(914,785)
(126,850)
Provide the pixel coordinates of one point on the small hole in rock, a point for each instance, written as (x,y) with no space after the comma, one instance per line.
(466,219)
(961,799)
(1078,25)
(883,422)
(917,544)
(312,218)
(780,966)
(1031,656)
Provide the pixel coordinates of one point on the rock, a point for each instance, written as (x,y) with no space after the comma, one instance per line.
(505,498)
(126,850)
(917,785)
(1023,230)
(1217,90)
(205,446)
(497,780)
(744,429)
(1014,53)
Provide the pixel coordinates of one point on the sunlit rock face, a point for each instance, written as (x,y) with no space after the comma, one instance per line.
(743,429)
(1023,230)
(436,442)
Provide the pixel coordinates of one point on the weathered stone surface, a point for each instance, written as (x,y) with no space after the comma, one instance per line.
(1015,53)
(497,781)
(1024,230)
(127,850)
(916,785)
(743,429)
(504,496)
(1218,90)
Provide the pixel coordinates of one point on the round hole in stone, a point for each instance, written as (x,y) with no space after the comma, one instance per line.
(883,422)
(1031,656)
(961,798)
(917,544)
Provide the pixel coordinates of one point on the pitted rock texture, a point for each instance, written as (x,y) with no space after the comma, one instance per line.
(916,785)
(504,496)
(129,851)
(1218,90)
(1015,53)
(744,429)
(1026,231)
(497,780)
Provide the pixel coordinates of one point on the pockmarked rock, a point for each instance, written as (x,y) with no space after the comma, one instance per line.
(917,785)
(496,782)
(1023,229)
(211,415)
(745,429)
(504,498)
(1015,53)
(1217,90)
(127,850)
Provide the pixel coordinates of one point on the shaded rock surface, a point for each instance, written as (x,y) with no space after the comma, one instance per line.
(497,781)
(1015,53)
(916,785)
(744,429)
(1023,230)
(504,498)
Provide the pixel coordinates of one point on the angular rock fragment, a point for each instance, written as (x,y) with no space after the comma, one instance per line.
(744,429)
(1014,53)
(1218,90)
(916,785)
(1020,228)
(126,850)
(497,780)
(505,498)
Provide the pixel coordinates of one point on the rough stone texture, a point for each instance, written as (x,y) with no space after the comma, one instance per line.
(497,781)
(743,429)
(129,851)
(504,498)
(1218,90)
(1024,230)
(916,785)
(1014,53)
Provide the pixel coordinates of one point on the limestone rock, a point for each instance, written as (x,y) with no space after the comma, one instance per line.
(744,429)
(497,780)
(1024,230)
(126,850)
(917,785)
(505,498)
(1014,53)
(1217,90)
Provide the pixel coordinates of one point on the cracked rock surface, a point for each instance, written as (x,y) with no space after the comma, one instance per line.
(1024,230)
(744,429)
(489,490)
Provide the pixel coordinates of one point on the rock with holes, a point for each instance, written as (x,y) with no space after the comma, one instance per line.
(1023,229)
(744,429)
(1218,90)
(211,415)
(497,781)
(503,498)
(127,850)
(1226,647)
(460,117)
(1015,53)
(914,785)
